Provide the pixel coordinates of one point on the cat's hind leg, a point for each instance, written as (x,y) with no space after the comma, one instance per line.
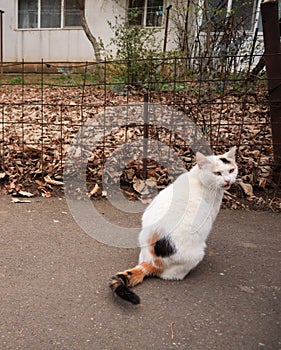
(175,272)
(179,270)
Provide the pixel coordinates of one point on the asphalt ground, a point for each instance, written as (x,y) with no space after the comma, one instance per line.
(54,286)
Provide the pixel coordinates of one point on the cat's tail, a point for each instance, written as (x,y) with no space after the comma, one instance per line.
(123,281)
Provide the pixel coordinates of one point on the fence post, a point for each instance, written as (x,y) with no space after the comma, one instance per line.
(272,57)
(1,40)
(145,136)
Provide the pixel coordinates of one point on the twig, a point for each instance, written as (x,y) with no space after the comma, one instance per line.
(50,181)
(172,331)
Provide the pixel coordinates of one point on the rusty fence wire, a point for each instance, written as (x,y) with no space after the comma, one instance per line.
(43,105)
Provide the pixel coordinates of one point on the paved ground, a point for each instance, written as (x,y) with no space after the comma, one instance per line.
(54,287)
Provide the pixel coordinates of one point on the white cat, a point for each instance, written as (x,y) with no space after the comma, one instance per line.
(176,224)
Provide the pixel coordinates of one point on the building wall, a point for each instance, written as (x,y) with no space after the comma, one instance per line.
(72,45)
(55,44)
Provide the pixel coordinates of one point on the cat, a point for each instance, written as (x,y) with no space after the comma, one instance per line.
(176,224)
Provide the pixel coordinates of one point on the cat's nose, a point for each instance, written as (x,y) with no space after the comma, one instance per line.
(227,182)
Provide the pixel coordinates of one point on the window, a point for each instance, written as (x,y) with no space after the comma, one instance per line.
(28,14)
(71,14)
(241,13)
(147,13)
(48,14)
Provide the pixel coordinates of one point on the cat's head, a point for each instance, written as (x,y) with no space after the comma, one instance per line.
(217,171)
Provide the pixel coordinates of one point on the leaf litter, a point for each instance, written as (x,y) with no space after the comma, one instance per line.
(36,138)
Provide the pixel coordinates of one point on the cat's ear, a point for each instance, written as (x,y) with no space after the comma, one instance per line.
(201,160)
(231,153)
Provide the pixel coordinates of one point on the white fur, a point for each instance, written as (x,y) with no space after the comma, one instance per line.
(185,212)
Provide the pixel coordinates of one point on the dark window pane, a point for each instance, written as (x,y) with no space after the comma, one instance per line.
(27,13)
(217,14)
(71,14)
(243,14)
(135,12)
(154,14)
(279,16)
(50,13)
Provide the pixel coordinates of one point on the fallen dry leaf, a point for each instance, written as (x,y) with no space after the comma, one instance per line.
(20,200)
(247,188)
(262,182)
(146,200)
(23,194)
(248,245)
(94,190)
(222,117)
(46,194)
(50,181)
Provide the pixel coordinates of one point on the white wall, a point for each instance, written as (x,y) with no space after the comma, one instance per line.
(67,45)
(55,44)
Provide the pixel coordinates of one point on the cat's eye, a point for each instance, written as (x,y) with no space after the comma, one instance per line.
(218,173)
(231,171)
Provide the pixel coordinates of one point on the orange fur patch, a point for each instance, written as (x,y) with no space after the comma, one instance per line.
(215,167)
(153,239)
(157,262)
(154,269)
(137,274)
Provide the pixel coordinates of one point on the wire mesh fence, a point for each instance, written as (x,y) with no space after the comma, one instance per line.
(44,105)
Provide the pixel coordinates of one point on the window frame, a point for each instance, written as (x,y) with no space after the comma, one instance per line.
(144,16)
(62,19)
(255,15)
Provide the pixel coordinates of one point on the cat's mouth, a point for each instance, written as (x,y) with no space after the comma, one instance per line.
(226,187)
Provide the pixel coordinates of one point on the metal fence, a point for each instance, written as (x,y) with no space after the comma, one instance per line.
(43,105)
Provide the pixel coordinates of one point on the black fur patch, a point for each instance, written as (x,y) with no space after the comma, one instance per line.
(123,278)
(125,293)
(164,248)
(225,161)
